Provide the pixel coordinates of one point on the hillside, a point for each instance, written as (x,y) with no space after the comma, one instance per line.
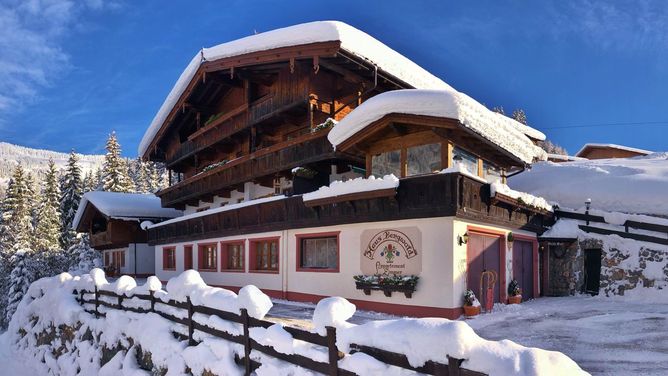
(36,161)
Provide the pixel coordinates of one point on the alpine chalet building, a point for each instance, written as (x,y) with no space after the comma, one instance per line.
(412,207)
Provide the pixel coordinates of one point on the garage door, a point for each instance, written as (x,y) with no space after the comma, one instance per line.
(523,267)
(483,254)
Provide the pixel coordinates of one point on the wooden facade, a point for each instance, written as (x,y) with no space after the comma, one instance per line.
(244,113)
(436,195)
(109,233)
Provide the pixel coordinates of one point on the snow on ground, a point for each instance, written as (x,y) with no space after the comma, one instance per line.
(496,128)
(605,336)
(10,363)
(633,185)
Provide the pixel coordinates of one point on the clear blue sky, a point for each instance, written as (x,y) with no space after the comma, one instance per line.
(73,71)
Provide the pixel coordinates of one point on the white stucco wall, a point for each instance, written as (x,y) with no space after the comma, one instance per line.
(145,258)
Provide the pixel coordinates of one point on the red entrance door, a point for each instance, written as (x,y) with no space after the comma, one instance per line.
(483,253)
(523,267)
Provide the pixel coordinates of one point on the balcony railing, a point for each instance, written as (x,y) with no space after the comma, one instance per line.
(303,150)
(426,196)
(234,121)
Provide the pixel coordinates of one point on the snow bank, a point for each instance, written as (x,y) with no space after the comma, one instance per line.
(50,304)
(531,200)
(352,40)
(334,312)
(633,185)
(461,169)
(495,128)
(357,185)
(125,206)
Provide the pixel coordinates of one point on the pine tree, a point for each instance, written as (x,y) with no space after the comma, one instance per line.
(19,281)
(499,110)
(47,228)
(88,183)
(83,258)
(141,176)
(17,212)
(98,178)
(115,174)
(72,190)
(520,116)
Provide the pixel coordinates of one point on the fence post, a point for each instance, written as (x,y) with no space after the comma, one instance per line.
(191,326)
(454,366)
(120,302)
(152,300)
(97,302)
(333,351)
(247,344)
(81,294)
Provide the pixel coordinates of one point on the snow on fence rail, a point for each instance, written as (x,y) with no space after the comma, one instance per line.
(627,224)
(331,367)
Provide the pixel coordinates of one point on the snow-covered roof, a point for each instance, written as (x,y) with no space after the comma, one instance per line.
(612,146)
(501,130)
(126,206)
(632,185)
(352,41)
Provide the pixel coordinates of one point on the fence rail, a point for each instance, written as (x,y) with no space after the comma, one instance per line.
(586,217)
(328,341)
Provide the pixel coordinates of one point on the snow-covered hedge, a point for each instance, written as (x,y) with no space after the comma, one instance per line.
(54,335)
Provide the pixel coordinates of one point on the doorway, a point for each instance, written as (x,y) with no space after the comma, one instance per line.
(523,267)
(592,265)
(483,253)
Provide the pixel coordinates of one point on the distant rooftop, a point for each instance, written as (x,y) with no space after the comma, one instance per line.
(601,151)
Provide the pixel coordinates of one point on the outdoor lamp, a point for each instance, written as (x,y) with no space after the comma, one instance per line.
(588,204)
(463,239)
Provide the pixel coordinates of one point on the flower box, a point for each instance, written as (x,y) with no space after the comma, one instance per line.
(387,284)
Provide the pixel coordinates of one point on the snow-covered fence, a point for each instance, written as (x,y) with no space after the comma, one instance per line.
(100,298)
(627,224)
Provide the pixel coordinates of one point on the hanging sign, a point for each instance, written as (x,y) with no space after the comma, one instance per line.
(391,251)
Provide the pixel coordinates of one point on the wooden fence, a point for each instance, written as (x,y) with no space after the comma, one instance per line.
(453,368)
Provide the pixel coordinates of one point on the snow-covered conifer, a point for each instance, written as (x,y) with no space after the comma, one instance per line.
(47,228)
(17,216)
(71,192)
(115,176)
(19,280)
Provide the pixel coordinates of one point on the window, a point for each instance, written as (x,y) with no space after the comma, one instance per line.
(187,257)
(318,252)
(265,255)
(232,256)
(423,159)
(207,256)
(490,172)
(205,208)
(386,163)
(466,159)
(169,258)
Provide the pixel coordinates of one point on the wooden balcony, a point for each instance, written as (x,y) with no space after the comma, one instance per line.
(434,195)
(235,121)
(310,148)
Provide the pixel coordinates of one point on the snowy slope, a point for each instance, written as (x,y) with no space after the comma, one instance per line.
(36,161)
(633,185)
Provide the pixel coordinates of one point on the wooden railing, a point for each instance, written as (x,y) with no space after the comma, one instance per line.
(426,196)
(267,161)
(331,367)
(629,224)
(234,121)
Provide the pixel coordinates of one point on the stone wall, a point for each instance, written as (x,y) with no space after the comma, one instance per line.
(625,265)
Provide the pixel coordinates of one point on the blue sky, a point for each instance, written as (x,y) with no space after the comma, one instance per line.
(73,71)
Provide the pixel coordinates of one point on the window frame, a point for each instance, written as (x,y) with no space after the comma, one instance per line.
(200,253)
(252,255)
(186,248)
(165,251)
(301,237)
(224,267)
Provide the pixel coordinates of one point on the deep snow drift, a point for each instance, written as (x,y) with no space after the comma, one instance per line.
(50,303)
(633,185)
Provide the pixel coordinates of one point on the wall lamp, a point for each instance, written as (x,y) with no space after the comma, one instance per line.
(463,239)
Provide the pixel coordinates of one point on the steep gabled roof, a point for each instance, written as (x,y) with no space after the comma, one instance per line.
(352,41)
(126,206)
(498,129)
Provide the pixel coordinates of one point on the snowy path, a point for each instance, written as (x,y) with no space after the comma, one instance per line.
(604,336)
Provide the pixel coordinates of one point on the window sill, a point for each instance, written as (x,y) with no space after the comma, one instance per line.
(207,270)
(169,269)
(263,271)
(316,270)
(233,270)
